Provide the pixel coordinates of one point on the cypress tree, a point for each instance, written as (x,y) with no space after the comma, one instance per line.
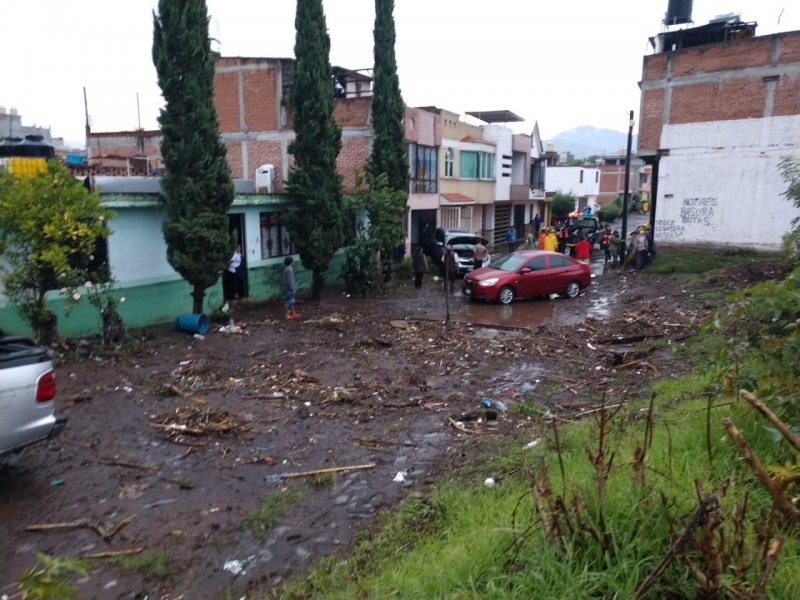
(314,185)
(389,149)
(197,187)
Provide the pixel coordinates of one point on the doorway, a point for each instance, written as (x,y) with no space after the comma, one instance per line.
(235,285)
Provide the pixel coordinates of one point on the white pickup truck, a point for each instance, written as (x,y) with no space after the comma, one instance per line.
(27,395)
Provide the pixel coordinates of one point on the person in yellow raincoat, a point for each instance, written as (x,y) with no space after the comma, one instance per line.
(551,241)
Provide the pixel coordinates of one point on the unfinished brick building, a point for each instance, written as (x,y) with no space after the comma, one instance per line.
(720,108)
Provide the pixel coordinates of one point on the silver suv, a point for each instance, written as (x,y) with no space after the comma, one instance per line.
(27,393)
(463,242)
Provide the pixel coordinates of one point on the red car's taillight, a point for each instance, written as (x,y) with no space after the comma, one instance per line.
(46,388)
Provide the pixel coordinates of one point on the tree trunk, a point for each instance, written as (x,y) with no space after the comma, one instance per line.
(317,282)
(198,293)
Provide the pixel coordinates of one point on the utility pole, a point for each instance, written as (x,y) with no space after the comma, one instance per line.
(623,243)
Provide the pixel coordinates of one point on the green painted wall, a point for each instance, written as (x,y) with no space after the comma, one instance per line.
(161,301)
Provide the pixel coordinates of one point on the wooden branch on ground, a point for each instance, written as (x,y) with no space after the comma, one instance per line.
(772,418)
(107,535)
(328,470)
(779,500)
(459,426)
(129,465)
(630,338)
(114,553)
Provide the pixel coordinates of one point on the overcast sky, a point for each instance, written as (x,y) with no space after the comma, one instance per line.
(562,63)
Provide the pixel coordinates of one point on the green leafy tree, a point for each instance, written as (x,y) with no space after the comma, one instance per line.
(197,187)
(790,169)
(314,185)
(389,150)
(380,210)
(563,204)
(49,224)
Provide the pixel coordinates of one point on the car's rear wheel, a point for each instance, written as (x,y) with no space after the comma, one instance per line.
(506,295)
(573,289)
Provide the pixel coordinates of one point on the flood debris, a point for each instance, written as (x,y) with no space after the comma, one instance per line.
(106,534)
(196,421)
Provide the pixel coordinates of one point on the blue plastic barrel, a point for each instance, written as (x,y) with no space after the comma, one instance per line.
(192,324)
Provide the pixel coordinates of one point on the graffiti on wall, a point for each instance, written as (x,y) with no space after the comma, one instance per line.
(669,229)
(698,211)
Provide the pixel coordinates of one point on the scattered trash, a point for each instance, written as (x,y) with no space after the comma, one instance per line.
(199,336)
(489,482)
(532,444)
(500,406)
(230,328)
(590,346)
(404,476)
(226,307)
(55,482)
(486,403)
(238,566)
(127,388)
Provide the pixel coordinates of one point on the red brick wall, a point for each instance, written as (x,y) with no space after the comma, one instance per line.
(731,99)
(655,67)
(650,119)
(729,94)
(787,96)
(352,112)
(259,100)
(726,56)
(789,48)
(352,158)
(234,152)
(226,101)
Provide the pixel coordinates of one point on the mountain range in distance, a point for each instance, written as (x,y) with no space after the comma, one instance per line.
(586,141)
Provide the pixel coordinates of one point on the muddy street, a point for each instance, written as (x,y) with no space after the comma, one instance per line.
(214,468)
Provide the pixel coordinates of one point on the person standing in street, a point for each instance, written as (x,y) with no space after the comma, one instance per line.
(583,250)
(605,243)
(614,246)
(640,247)
(235,275)
(537,225)
(563,237)
(511,238)
(289,287)
(420,264)
(478,254)
(550,242)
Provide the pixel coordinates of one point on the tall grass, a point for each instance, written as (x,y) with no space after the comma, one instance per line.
(615,493)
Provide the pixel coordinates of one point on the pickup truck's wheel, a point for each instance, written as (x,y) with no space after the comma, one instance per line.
(572,290)
(506,295)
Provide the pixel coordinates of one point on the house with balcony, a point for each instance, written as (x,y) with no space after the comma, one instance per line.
(466,170)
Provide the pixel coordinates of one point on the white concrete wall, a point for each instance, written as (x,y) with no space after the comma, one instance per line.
(502,138)
(720,182)
(567,180)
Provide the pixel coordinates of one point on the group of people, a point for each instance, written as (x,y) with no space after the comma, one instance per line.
(233,281)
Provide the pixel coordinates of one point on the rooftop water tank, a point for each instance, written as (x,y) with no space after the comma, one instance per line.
(678,12)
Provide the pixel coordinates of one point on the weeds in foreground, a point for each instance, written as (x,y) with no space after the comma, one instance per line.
(149,564)
(51,579)
(272,507)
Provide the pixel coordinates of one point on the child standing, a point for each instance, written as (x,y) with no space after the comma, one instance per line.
(289,287)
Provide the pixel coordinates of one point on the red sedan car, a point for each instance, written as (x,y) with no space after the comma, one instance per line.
(527,273)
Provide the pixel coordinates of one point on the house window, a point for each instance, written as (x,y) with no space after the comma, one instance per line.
(596,176)
(581,177)
(424,169)
(450,218)
(274,236)
(485,165)
(468,168)
(466,218)
(448,162)
(476,165)
(537,175)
